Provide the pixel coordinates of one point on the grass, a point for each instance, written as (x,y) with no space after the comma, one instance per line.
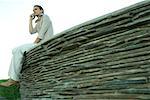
(9,93)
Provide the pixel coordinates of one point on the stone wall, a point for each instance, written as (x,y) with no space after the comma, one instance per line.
(105,58)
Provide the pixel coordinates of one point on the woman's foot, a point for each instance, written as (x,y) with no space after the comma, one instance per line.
(8,83)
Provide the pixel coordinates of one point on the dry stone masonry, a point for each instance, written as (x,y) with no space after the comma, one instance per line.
(107,58)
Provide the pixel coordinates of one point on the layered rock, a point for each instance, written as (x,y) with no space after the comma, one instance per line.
(105,58)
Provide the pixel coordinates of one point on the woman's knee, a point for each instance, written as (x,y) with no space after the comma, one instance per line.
(23,48)
(16,50)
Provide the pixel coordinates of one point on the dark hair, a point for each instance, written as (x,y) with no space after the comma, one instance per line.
(40,7)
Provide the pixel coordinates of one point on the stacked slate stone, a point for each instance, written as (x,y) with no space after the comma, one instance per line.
(105,58)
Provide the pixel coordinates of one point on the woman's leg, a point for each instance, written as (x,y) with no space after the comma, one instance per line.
(16,63)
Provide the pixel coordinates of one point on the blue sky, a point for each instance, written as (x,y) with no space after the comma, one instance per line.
(64,14)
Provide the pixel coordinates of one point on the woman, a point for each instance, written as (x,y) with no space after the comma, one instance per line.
(44,29)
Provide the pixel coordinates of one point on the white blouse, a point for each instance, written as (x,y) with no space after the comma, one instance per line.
(44,28)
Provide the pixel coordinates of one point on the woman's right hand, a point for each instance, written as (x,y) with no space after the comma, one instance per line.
(32,16)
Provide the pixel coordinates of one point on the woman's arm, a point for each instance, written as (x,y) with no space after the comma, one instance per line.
(31,29)
(37,40)
(30,26)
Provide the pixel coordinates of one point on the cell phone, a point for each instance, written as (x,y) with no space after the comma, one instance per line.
(32,16)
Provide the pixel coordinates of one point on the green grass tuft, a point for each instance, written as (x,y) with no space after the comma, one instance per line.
(9,93)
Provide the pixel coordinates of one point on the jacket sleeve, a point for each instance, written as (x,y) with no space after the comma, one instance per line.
(44,27)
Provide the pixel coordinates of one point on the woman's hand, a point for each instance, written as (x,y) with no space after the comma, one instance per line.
(32,16)
(37,40)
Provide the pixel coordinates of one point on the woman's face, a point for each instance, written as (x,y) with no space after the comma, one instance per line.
(37,11)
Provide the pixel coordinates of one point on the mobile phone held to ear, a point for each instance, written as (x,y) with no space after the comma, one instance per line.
(32,16)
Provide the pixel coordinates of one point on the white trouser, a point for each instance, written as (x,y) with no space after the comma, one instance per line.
(16,61)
